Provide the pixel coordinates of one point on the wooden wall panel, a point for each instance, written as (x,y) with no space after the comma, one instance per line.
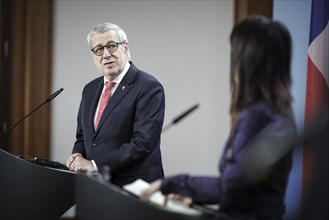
(4,36)
(30,81)
(244,8)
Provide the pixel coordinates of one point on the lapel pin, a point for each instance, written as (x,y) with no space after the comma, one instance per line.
(123,88)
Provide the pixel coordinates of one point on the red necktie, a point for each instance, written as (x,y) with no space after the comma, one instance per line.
(104,100)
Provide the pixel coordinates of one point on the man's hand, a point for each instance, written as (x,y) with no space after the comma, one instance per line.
(76,162)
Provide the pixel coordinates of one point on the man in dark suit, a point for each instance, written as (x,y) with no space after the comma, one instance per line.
(124,132)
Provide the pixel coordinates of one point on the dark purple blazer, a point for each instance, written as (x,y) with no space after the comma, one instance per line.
(233,190)
(128,135)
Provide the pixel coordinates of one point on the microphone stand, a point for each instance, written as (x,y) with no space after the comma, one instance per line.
(47,100)
(42,162)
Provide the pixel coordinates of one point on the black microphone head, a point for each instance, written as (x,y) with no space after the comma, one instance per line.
(54,95)
(176,120)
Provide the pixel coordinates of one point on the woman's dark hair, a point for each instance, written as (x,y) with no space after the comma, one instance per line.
(260,64)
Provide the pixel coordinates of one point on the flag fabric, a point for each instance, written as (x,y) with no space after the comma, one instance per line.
(317,84)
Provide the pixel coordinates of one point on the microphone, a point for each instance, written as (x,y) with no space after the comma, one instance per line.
(47,100)
(54,95)
(180,117)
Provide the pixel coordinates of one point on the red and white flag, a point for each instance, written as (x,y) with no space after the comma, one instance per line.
(317,84)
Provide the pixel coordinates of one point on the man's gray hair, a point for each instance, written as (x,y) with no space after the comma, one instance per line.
(104,27)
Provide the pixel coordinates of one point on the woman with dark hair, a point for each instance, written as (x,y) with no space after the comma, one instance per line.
(260,88)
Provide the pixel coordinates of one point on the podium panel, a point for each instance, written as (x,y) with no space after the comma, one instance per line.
(96,200)
(31,191)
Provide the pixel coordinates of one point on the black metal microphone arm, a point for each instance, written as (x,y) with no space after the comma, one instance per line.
(47,100)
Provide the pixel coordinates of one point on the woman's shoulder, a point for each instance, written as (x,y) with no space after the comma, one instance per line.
(258,109)
(261,113)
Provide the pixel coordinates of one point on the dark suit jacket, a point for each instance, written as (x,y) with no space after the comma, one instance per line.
(128,135)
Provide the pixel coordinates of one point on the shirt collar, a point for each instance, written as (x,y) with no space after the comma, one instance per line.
(118,79)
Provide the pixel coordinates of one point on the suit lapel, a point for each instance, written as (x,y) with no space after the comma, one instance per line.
(93,100)
(123,88)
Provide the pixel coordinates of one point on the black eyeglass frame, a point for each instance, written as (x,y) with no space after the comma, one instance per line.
(101,48)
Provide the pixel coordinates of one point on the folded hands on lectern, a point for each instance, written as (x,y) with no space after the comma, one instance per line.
(76,162)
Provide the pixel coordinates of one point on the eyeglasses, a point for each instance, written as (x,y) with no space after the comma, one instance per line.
(111,47)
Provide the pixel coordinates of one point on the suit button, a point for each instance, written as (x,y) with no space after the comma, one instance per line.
(94,144)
